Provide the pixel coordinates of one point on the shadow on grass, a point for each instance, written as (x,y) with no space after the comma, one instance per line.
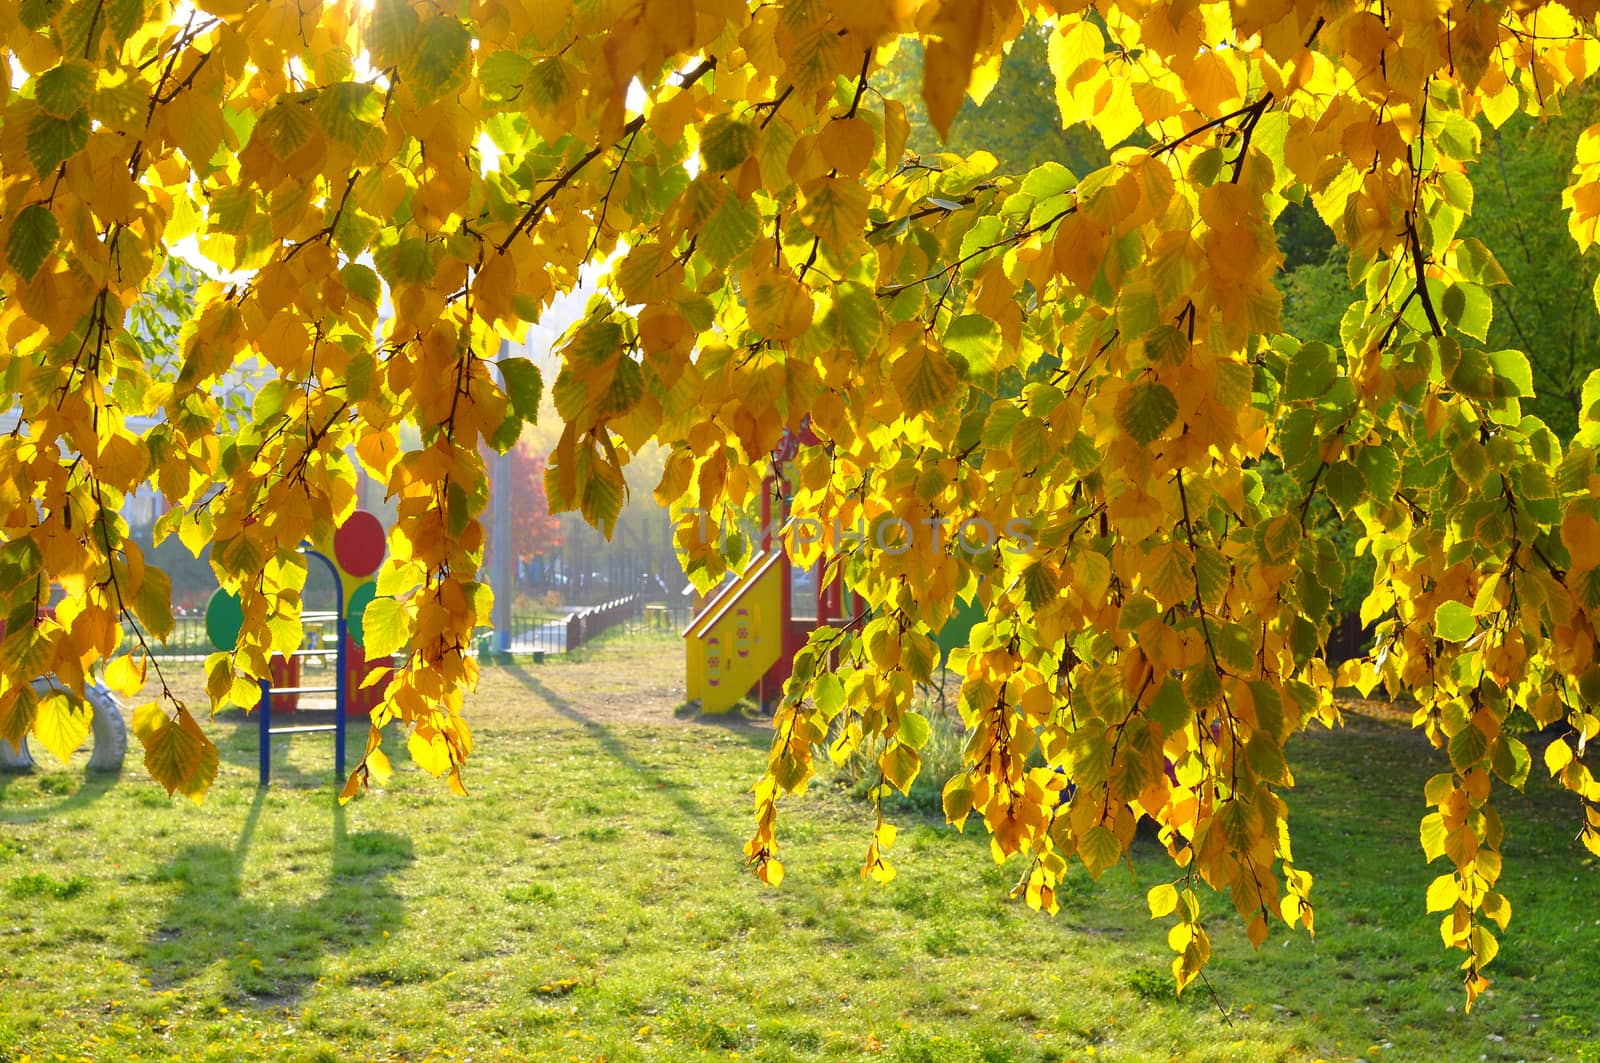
(80,791)
(238,737)
(608,740)
(271,949)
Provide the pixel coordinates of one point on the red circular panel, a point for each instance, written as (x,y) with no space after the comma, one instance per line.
(358,545)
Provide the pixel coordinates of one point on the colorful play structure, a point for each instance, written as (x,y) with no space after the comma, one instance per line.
(358,549)
(744,637)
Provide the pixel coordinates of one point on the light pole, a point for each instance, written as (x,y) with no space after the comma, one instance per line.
(503,572)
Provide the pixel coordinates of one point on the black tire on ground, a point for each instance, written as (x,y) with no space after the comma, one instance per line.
(106,727)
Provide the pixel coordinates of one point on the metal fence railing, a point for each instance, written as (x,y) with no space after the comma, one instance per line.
(537,634)
(528,633)
(591,623)
(656,618)
(187,639)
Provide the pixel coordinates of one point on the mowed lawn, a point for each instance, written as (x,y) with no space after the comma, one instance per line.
(588,902)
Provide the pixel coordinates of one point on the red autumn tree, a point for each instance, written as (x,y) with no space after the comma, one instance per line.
(534,531)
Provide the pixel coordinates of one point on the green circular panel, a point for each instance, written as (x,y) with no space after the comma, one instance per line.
(224,618)
(360,598)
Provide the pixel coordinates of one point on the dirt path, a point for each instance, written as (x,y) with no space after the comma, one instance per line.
(634,682)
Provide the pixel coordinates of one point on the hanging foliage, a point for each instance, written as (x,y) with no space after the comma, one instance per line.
(1071,376)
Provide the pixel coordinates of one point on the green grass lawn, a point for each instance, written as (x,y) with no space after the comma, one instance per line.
(588,902)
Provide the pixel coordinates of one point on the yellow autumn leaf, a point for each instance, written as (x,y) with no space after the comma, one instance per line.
(177,752)
(61,723)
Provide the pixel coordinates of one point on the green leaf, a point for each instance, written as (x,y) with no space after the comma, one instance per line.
(1344,485)
(900,765)
(1240,823)
(1509,759)
(835,211)
(1458,193)
(391,32)
(918,656)
(1099,848)
(1278,538)
(1236,649)
(384,627)
(854,320)
(828,693)
(627,387)
(914,730)
(1146,410)
(361,282)
(1312,370)
(729,232)
(20,562)
(411,261)
(17,715)
(726,143)
(1137,311)
(65,90)
(957,799)
(1202,686)
(35,14)
(548,83)
(1468,307)
(975,339)
(286,127)
(1169,707)
(33,238)
(52,141)
(153,604)
(1477,263)
(924,378)
(1039,586)
(348,111)
(125,17)
(1512,368)
(502,75)
(1458,138)
(524,387)
(601,499)
(442,57)
(1589,403)
(594,344)
(1453,622)
(1380,467)
(1048,179)
(1468,747)
(1266,759)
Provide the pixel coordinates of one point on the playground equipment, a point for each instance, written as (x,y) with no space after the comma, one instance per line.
(746,634)
(358,549)
(106,725)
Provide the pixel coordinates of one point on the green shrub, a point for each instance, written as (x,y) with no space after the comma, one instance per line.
(941,758)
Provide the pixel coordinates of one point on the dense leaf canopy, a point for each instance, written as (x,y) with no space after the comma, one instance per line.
(1048,390)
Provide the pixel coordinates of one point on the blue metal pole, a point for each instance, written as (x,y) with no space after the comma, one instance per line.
(264,715)
(341,683)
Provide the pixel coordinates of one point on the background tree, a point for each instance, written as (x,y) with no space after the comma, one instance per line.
(535,531)
(1017,120)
